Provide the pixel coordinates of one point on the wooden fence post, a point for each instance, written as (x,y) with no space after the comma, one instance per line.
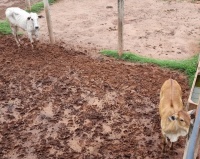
(28,4)
(48,18)
(120,26)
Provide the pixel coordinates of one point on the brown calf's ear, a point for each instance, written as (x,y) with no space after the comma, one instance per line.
(192,113)
(40,16)
(28,18)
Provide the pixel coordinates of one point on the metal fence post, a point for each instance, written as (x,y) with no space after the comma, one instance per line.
(193,142)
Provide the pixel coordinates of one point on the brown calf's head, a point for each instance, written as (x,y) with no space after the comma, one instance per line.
(183,118)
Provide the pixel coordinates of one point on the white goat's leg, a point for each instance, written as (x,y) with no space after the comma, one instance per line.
(17,35)
(30,37)
(36,35)
(14,32)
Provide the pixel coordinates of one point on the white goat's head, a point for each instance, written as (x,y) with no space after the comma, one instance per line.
(32,21)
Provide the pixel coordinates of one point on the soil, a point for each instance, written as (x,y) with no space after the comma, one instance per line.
(66,101)
(152,28)
(61,103)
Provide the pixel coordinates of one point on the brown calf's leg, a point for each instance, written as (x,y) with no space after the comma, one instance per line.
(164,144)
(171,146)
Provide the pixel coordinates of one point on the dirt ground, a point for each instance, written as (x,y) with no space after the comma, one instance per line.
(153,28)
(58,103)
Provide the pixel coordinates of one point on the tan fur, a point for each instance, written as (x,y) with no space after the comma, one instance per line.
(171,105)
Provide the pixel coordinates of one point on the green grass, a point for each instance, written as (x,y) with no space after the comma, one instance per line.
(37,7)
(5,27)
(187,66)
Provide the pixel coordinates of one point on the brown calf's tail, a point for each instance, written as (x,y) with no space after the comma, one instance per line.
(171,103)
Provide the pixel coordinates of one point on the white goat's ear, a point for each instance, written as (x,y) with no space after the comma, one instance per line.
(28,18)
(40,16)
(172,118)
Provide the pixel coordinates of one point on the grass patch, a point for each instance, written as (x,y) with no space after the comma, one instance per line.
(37,7)
(5,28)
(187,66)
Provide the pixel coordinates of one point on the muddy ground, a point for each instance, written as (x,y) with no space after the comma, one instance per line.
(60,103)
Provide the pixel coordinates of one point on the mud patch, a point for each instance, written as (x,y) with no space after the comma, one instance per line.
(59,103)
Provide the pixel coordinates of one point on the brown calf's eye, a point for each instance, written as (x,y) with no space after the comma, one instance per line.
(181,120)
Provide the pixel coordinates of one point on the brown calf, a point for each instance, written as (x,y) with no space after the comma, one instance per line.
(175,121)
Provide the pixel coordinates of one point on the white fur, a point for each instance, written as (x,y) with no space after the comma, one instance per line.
(174,137)
(19,18)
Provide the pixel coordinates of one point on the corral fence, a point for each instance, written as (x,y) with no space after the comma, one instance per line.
(193,140)
(192,144)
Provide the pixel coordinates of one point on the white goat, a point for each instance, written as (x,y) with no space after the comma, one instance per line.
(19,18)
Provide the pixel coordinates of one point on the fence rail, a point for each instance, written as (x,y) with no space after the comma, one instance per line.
(192,147)
(193,140)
